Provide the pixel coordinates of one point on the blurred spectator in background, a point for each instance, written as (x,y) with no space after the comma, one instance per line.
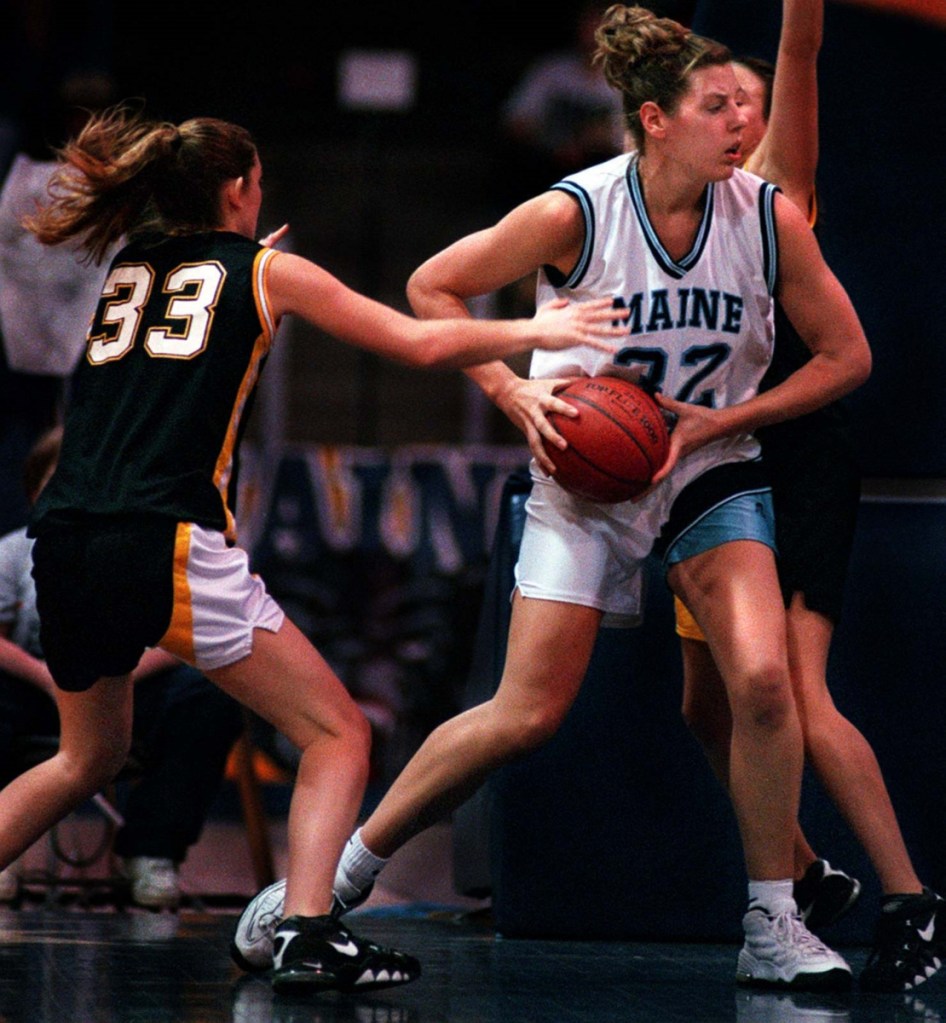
(184,727)
(55,60)
(561,116)
(48,48)
(47,295)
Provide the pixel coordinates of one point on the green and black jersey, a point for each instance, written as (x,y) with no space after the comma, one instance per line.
(158,404)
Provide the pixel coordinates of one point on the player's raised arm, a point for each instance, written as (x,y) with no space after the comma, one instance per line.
(788,151)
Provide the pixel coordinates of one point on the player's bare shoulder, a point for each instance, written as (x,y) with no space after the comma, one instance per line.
(294,281)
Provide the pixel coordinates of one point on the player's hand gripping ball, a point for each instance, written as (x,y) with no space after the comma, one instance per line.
(616,443)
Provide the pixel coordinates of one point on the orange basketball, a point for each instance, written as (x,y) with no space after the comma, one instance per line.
(616,443)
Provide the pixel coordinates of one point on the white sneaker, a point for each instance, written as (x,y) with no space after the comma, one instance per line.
(154,881)
(780,951)
(252,945)
(10,882)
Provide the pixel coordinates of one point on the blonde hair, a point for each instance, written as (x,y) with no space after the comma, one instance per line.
(650,59)
(124,174)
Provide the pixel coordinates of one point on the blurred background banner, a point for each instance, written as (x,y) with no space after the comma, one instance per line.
(379,556)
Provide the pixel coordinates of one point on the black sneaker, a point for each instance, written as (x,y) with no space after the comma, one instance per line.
(910,944)
(824,895)
(317,953)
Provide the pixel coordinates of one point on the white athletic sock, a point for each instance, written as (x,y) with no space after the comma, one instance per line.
(772,897)
(357,868)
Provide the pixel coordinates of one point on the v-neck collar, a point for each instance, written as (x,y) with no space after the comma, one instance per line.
(674,267)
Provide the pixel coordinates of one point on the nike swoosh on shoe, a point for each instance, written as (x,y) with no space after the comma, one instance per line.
(348,949)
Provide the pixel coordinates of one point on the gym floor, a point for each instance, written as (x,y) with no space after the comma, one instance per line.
(62,961)
(90,967)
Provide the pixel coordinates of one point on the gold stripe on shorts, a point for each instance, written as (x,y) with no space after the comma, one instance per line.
(179,638)
(686,623)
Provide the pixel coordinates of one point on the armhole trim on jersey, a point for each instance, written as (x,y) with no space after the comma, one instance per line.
(261,292)
(555,276)
(769,234)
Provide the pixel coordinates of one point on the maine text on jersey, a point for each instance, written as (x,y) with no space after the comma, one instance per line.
(701,308)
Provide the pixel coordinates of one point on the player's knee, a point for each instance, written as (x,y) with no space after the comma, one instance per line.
(764,700)
(536,726)
(339,735)
(95,765)
(346,745)
(354,735)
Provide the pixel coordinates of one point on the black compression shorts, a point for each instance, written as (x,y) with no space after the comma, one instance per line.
(816,485)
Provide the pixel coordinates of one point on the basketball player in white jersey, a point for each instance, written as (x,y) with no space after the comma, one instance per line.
(685,245)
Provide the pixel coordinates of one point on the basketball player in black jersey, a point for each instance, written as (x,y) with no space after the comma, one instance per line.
(135,532)
(811,464)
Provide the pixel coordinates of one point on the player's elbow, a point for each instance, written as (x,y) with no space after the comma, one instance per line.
(415,289)
(853,366)
(861,366)
(431,355)
(421,291)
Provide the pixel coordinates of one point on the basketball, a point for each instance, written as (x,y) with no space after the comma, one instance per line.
(617,442)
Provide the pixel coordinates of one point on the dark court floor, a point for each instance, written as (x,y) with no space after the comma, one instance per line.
(60,965)
(67,956)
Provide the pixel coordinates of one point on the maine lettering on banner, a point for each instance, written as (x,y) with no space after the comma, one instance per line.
(379,556)
(434,505)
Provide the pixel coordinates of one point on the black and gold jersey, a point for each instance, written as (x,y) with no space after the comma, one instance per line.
(158,405)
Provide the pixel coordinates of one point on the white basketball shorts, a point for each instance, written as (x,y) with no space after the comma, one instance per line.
(218,602)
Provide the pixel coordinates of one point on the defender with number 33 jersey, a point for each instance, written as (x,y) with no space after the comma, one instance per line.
(160,400)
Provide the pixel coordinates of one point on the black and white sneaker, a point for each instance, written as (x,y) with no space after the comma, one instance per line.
(252,945)
(317,953)
(824,895)
(909,946)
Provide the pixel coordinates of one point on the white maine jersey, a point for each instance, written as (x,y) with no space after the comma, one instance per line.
(701,327)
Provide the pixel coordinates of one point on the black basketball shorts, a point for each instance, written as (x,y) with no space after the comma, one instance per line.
(109,588)
(816,487)
(104,592)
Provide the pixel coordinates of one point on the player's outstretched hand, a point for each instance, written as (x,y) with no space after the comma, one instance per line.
(528,404)
(595,323)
